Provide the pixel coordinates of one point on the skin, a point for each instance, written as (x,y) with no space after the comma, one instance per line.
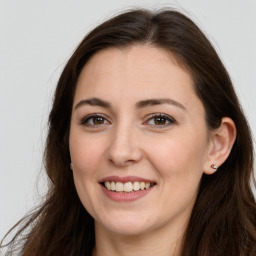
(129,141)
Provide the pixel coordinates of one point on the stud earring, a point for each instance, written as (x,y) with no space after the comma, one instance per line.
(71,166)
(214,166)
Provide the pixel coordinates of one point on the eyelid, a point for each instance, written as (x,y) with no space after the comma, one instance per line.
(93,115)
(170,119)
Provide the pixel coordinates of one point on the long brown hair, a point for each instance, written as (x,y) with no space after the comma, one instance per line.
(223,221)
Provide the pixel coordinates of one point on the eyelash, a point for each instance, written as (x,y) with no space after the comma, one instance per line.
(85,120)
(166,118)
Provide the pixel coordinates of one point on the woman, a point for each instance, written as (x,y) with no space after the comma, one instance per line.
(148,150)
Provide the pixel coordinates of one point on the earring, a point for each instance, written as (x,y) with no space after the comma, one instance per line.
(214,166)
(71,166)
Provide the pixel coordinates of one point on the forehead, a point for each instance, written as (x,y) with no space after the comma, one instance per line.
(135,72)
(135,59)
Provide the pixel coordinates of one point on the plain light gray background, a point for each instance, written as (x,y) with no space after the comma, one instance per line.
(36,40)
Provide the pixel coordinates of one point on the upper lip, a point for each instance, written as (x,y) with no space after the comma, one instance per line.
(125,179)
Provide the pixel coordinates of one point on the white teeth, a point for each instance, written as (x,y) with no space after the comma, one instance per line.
(126,187)
(119,187)
(147,185)
(136,186)
(108,185)
(112,186)
(142,185)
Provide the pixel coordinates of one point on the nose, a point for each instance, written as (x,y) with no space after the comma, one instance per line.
(124,148)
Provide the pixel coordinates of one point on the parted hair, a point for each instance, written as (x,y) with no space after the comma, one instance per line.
(223,220)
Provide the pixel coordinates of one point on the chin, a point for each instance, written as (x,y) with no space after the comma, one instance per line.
(128,230)
(133,225)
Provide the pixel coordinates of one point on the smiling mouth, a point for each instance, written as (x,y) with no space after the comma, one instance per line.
(127,187)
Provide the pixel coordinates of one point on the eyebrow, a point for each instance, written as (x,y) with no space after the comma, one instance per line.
(93,102)
(139,104)
(153,102)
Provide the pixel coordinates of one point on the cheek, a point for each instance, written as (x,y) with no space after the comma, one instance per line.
(179,159)
(85,155)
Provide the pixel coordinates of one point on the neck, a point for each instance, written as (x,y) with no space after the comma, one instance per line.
(154,243)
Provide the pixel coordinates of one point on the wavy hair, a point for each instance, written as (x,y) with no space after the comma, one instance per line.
(223,220)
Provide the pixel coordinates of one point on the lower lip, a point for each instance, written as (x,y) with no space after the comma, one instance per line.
(126,197)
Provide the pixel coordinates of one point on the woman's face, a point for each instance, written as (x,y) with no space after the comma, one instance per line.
(138,140)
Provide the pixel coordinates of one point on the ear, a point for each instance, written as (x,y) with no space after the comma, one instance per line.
(221,143)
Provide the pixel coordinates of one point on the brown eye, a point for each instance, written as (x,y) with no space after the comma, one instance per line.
(94,120)
(160,120)
(98,120)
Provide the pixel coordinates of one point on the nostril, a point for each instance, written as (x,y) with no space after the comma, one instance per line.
(119,161)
